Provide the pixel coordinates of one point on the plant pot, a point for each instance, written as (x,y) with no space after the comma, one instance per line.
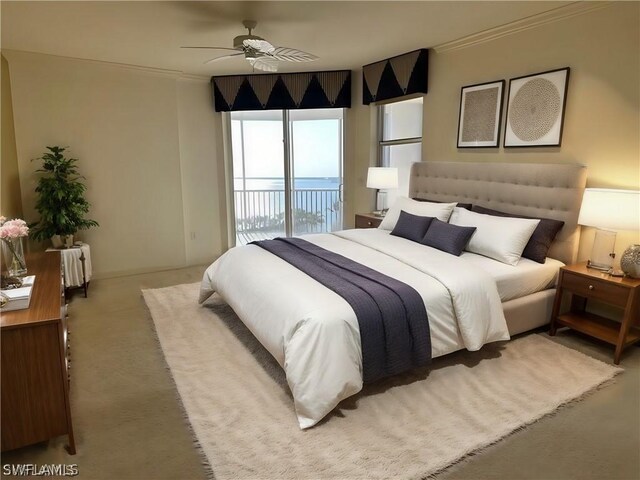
(62,241)
(14,256)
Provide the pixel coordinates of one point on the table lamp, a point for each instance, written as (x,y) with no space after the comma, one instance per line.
(382,178)
(609,211)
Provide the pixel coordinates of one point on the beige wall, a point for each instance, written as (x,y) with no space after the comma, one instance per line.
(136,145)
(201,166)
(602,122)
(361,152)
(152,148)
(10,199)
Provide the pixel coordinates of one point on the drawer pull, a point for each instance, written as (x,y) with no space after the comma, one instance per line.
(591,287)
(369,223)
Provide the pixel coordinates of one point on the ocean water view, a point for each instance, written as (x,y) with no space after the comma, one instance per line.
(277,183)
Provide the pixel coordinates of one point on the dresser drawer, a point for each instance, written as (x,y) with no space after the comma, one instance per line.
(594,288)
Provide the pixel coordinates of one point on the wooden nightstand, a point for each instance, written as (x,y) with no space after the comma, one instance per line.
(585,283)
(367,220)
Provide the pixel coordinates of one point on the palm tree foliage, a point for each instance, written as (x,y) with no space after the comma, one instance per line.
(61,203)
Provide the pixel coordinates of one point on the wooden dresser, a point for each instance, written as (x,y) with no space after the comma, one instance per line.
(35,361)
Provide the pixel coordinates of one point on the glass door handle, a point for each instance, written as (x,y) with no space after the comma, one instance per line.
(340,188)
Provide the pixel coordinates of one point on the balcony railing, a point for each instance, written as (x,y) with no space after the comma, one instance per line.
(261,213)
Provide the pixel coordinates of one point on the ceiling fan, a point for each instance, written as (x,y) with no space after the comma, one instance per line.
(259,52)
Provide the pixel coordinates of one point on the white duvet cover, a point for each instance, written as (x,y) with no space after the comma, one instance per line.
(515,281)
(313,333)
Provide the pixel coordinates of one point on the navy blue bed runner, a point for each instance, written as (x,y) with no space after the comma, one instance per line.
(394,329)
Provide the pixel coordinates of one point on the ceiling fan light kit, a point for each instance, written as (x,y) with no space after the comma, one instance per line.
(261,54)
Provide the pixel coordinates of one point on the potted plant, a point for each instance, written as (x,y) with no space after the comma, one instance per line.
(61,203)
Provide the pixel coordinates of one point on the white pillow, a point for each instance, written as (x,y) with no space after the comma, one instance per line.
(442,211)
(500,238)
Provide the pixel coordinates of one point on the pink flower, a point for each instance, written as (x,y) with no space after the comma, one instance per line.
(13,228)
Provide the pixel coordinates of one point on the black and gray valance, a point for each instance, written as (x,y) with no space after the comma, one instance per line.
(395,77)
(279,91)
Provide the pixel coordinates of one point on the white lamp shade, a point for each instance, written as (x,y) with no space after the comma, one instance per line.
(382,177)
(610,209)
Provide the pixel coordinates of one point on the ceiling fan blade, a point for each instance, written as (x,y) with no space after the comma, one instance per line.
(214,48)
(260,45)
(265,64)
(291,55)
(224,57)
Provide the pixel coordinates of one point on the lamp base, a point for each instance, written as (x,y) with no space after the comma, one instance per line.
(602,253)
(598,266)
(381,201)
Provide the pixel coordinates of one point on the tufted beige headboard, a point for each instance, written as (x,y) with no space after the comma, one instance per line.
(533,189)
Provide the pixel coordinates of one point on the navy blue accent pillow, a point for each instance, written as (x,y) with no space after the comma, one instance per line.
(411,227)
(541,239)
(466,206)
(448,237)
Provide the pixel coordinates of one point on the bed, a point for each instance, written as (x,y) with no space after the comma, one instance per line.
(537,190)
(314,334)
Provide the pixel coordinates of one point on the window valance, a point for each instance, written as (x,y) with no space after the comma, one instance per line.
(278,91)
(395,77)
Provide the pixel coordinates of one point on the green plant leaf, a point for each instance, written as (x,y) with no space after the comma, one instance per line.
(60,203)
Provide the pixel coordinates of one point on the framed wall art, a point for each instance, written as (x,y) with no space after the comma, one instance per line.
(480,115)
(535,109)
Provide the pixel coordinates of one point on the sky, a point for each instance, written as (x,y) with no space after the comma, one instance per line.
(316,148)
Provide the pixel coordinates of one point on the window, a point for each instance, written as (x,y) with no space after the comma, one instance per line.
(400,140)
(287,172)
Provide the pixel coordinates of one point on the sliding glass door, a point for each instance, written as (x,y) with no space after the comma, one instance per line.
(287,171)
(258,175)
(316,170)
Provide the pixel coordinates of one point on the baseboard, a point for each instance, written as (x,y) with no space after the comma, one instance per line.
(140,271)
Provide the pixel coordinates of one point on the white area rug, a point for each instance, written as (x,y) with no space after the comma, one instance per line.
(409,427)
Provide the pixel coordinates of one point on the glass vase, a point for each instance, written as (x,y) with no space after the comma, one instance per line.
(630,261)
(13,254)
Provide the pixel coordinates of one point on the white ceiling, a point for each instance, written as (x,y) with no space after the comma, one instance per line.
(343,34)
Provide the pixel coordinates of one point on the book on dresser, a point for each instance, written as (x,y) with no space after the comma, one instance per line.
(18,298)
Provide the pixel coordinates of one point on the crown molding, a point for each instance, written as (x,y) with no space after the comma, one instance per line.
(534,21)
(193,76)
(153,70)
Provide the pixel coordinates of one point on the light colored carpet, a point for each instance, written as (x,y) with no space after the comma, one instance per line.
(410,426)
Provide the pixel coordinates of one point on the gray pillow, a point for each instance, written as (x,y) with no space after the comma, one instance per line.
(541,239)
(411,227)
(447,237)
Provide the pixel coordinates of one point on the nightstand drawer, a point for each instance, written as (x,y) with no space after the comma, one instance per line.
(594,288)
(367,221)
